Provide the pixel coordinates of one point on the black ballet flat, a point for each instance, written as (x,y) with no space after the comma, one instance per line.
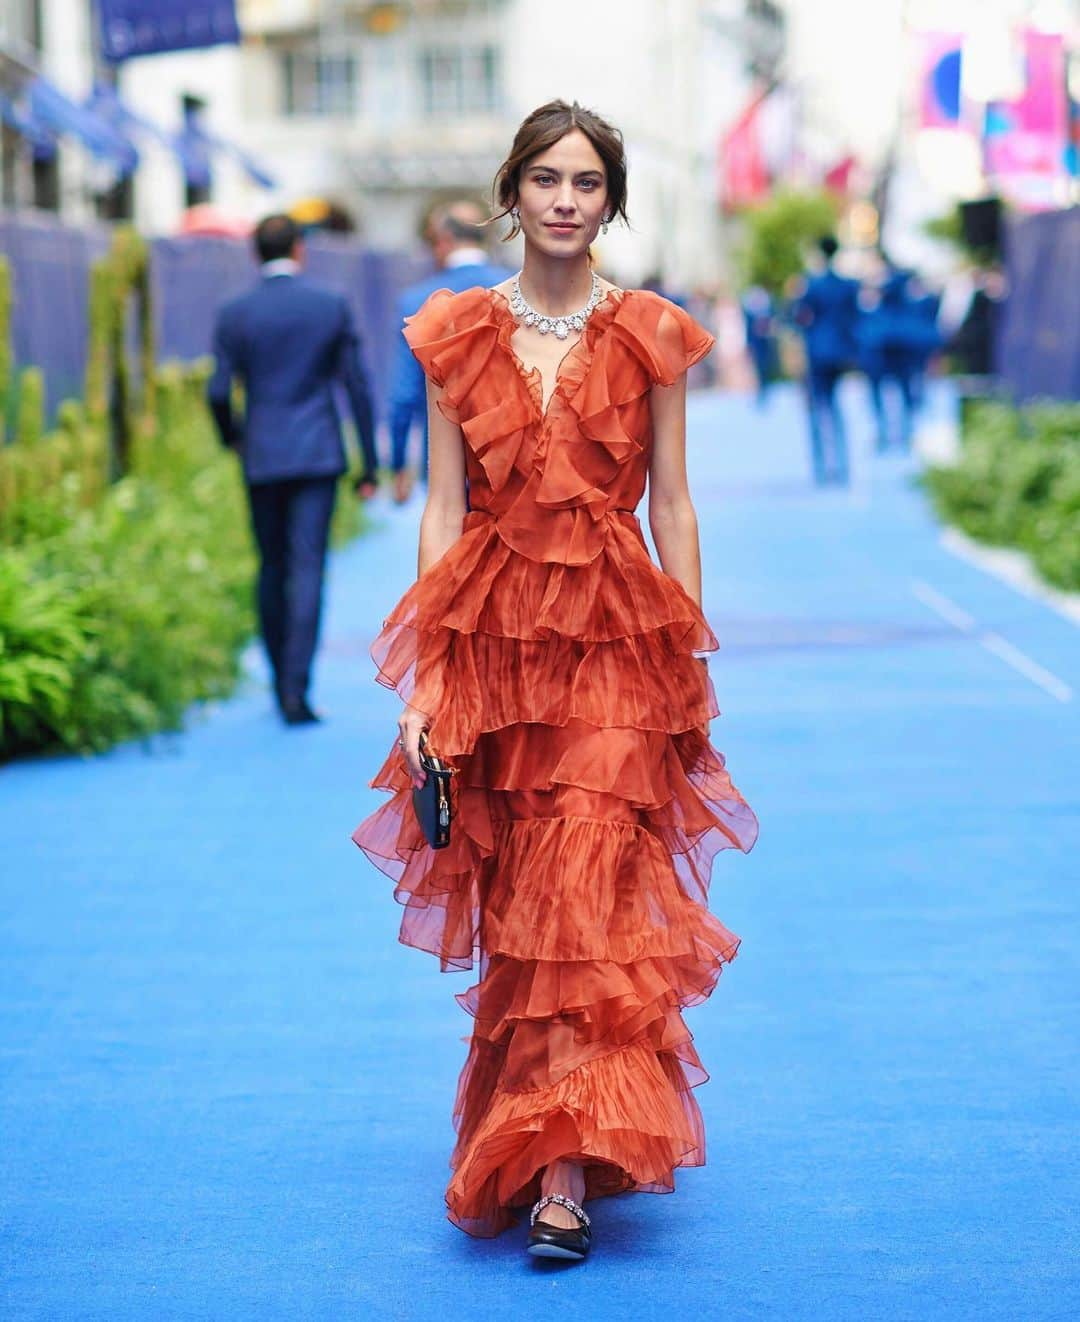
(548,1241)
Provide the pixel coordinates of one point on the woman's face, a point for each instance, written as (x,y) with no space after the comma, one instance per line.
(562,196)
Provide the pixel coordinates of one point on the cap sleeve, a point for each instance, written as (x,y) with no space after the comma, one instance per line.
(670,340)
(444,334)
(429,333)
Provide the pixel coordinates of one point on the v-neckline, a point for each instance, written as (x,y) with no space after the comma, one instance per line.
(534,375)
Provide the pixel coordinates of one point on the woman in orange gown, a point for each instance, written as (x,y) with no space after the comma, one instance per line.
(561,673)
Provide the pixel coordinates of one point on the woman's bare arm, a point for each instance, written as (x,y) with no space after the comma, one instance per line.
(440,528)
(440,525)
(671,512)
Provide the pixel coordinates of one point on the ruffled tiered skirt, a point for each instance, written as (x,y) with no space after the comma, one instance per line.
(588,807)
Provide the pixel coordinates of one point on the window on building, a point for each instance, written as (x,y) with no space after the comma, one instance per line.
(198,180)
(46,185)
(317,84)
(117,202)
(460,80)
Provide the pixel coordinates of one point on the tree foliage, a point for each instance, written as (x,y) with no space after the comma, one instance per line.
(780,233)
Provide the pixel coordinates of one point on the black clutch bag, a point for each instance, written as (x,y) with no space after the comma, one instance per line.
(431,803)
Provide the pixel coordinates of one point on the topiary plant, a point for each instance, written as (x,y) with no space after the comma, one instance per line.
(30,414)
(778,233)
(6,355)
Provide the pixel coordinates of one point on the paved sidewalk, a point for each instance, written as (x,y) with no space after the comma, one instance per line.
(225,1088)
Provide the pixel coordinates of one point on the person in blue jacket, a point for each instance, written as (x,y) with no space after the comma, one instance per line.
(759,319)
(926,308)
(827,312)
(456,235)
(897,337)
(290,343)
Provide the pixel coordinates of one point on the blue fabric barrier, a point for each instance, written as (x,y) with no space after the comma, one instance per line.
(1038,349)
(191,277)
(194,276)
(50,263)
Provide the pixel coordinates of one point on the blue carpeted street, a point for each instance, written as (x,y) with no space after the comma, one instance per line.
(226,1089)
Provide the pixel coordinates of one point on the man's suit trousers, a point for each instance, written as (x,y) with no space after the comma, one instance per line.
(291,519)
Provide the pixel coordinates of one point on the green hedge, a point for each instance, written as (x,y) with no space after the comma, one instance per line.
(114,623)
(1018,484)
(126,563)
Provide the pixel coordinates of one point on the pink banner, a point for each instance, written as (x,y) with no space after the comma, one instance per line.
(1027,138)
(1030,133)
(744,178)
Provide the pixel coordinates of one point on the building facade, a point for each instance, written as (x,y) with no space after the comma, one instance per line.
(384,106)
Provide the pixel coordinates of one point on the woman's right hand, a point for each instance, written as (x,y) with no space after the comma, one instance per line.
(411,724)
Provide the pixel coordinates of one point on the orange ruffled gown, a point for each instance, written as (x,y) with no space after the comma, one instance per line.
(555,663)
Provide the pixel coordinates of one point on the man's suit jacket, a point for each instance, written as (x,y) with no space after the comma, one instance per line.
(290,342)
(828,312)
(408,392)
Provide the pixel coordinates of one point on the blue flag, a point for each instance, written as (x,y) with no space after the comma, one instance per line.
(148,27)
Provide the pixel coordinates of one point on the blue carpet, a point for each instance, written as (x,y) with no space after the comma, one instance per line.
(226,1089)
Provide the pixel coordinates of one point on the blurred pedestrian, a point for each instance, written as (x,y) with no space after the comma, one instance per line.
(897,335)
(456,235)
(926,309)
(657,284)
(827,311)
(759,317)
(972,344)
(289,342)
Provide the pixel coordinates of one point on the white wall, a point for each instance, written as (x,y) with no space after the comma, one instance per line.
(661,75)
(66,42)
(658,69)
(846,57)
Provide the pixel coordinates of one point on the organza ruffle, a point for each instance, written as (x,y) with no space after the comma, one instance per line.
(514,639)
(517,855)
(551,475)
(555,665)
(627,1116)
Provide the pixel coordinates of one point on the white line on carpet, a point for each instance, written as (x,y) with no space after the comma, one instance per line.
(992,642)
(1013,568)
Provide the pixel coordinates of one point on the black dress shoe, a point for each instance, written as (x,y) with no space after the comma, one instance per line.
(548,1241)
(299,713)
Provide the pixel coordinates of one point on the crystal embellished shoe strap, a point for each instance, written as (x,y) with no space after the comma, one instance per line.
(563,1201)
(562,326)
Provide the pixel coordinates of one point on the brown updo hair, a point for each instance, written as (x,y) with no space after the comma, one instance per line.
(543,129)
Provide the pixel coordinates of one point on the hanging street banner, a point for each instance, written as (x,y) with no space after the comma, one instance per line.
(150,27)
(743,176)
(939,85)
(1026,140)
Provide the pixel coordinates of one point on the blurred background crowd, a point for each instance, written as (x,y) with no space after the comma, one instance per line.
(931,144)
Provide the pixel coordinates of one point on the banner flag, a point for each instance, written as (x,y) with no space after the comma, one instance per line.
(39,136)
(57,113)
(939,106)
(1026,140)
(744,177)
(149,27)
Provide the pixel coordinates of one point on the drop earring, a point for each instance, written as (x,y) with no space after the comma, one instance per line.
(515,216)
(603,225)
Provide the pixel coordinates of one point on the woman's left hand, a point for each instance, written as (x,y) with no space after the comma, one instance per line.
(411,725)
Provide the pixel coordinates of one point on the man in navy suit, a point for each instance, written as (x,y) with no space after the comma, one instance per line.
(827,312)
(290,343)
(456,235)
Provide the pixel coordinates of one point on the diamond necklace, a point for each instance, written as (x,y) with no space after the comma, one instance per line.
(562,326)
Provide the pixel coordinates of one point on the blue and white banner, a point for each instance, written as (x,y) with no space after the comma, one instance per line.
(149,27)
